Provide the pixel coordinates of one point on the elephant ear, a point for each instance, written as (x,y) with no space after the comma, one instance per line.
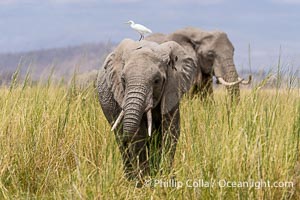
(113,66)
(190,35)
(180,71)
(192,39)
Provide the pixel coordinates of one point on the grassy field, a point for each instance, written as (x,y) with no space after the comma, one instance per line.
(56,144)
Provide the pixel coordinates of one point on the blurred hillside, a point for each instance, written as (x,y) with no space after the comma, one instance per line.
(86,59)
(83,59)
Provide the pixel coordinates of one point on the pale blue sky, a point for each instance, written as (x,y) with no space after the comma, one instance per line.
(264,24)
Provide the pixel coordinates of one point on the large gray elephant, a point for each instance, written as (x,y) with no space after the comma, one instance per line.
(213,54)
(140,86)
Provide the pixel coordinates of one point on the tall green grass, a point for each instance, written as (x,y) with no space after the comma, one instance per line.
(55,143)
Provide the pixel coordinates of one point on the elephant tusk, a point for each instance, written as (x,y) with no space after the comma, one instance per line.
(117,122)
(149,120)
(222,81)
(246,82)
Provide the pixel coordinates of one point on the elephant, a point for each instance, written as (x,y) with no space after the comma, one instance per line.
(213,54)
(139,87)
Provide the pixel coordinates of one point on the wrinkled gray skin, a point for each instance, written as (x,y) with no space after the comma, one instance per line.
(212,52)
(136,77)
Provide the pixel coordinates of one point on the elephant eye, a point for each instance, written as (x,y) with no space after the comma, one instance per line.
(156,81)
(123,80)
(211,55)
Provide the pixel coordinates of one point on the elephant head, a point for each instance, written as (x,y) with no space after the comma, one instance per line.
(143,75)
(140,80)
(213,52)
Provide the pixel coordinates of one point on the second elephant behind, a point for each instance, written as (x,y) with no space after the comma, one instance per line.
(213,54)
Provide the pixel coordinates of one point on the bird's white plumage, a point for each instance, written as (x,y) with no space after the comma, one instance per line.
(142,30)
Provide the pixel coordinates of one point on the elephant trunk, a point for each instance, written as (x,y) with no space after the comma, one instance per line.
(233,90)
(226,74)
(134,107)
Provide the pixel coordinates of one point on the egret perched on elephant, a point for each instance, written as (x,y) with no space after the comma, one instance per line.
(141,84)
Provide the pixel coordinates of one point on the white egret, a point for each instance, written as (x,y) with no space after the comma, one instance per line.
(142,30)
